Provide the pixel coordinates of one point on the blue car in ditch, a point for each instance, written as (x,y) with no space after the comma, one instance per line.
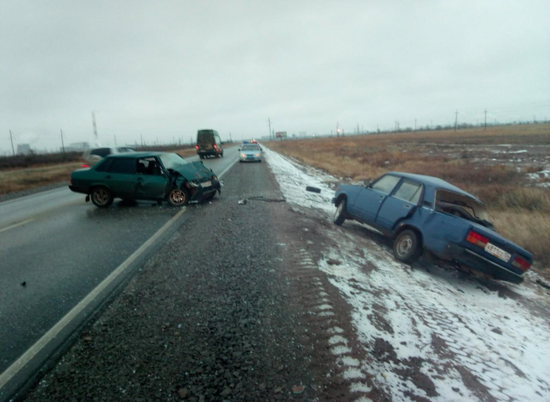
(426,213)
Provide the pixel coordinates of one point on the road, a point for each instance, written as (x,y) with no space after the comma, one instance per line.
(60,248)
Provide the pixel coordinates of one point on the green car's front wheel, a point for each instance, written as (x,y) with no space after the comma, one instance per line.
(101,197)
(178,197)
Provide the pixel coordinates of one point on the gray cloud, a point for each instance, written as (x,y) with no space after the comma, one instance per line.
(165,69)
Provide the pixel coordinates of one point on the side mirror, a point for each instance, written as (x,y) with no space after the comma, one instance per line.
(367,183)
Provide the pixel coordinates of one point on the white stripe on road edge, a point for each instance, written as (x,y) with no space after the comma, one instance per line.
(12,370)
(17,224)
(61,324)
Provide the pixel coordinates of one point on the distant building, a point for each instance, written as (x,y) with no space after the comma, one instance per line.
(77,147)
(24,149)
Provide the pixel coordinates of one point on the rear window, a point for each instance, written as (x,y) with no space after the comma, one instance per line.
(386,184)
(103,165)
(123,165)
(206,137)
(103,152)
(409,191)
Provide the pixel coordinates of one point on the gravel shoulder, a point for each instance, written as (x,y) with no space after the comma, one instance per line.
(213,316)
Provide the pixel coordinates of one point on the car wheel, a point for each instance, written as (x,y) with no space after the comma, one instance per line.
(101,197)
(407,247)
(178,197)
(340,214)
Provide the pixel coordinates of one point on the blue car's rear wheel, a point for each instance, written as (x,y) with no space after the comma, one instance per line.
(407,247)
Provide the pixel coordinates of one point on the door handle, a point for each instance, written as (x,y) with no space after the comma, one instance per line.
(407,206)
(382,197)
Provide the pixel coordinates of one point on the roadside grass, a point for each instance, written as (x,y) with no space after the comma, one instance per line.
(519,211)
(25,179)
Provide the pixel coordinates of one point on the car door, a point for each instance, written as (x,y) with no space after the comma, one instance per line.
(369,199)
(120,177)
(151,181)
(400,204)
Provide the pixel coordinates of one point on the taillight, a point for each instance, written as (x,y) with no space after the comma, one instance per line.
(85,166)
(521,264)
(215,146)
(477,239)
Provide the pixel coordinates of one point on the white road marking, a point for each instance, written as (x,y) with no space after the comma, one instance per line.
(16,225)
(61,324)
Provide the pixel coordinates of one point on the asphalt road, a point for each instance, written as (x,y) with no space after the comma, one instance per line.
(61,247)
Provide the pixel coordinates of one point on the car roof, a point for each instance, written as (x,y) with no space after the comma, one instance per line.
(137,154)
(434,183)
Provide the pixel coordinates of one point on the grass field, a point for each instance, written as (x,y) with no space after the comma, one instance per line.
(492,164)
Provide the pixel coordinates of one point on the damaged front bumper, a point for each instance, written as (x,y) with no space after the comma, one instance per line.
(200,191)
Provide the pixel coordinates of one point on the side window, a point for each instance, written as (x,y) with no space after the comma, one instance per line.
(409,191)
(103,166)
(386,184)
(123,165)
(148,166)
(103,152)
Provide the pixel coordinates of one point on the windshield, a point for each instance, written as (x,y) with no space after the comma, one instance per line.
(250,148)
(172,161)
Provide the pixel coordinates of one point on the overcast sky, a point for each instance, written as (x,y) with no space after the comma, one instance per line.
(165,69)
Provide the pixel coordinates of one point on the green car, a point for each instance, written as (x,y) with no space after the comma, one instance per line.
(155,176)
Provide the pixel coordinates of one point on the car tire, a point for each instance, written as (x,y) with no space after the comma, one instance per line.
(101,197)
(407,246)
(178,197)
(341,211)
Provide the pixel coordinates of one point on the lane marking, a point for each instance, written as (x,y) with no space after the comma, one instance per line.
(16,225)
(20,363)
(61,324)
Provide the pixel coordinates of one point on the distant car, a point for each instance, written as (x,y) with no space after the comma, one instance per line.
(209,143)
(250,153)
(426,213)
(155,176)
(93,155)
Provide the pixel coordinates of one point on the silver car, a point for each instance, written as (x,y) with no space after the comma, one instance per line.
(250,153)
(93,155)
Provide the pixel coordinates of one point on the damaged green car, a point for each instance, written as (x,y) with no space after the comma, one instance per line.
(154,176)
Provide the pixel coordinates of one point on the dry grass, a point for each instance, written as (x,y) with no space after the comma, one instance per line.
(25,179)
(520,213)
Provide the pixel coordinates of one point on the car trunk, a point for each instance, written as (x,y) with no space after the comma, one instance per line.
(494,255)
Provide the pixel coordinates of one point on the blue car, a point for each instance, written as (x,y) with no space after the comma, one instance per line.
(426,213)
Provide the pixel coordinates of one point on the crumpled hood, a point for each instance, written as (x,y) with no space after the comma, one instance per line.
(195,171)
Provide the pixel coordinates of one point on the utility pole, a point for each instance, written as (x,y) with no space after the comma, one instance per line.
(12,148)
(269,123)
(230,139)
(414,124)
(485,125)
(115,140)
(141,139)
(456,118)
(95,125)
(62,143)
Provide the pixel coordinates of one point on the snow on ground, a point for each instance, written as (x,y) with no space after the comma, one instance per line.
(294,178)
(431,334)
